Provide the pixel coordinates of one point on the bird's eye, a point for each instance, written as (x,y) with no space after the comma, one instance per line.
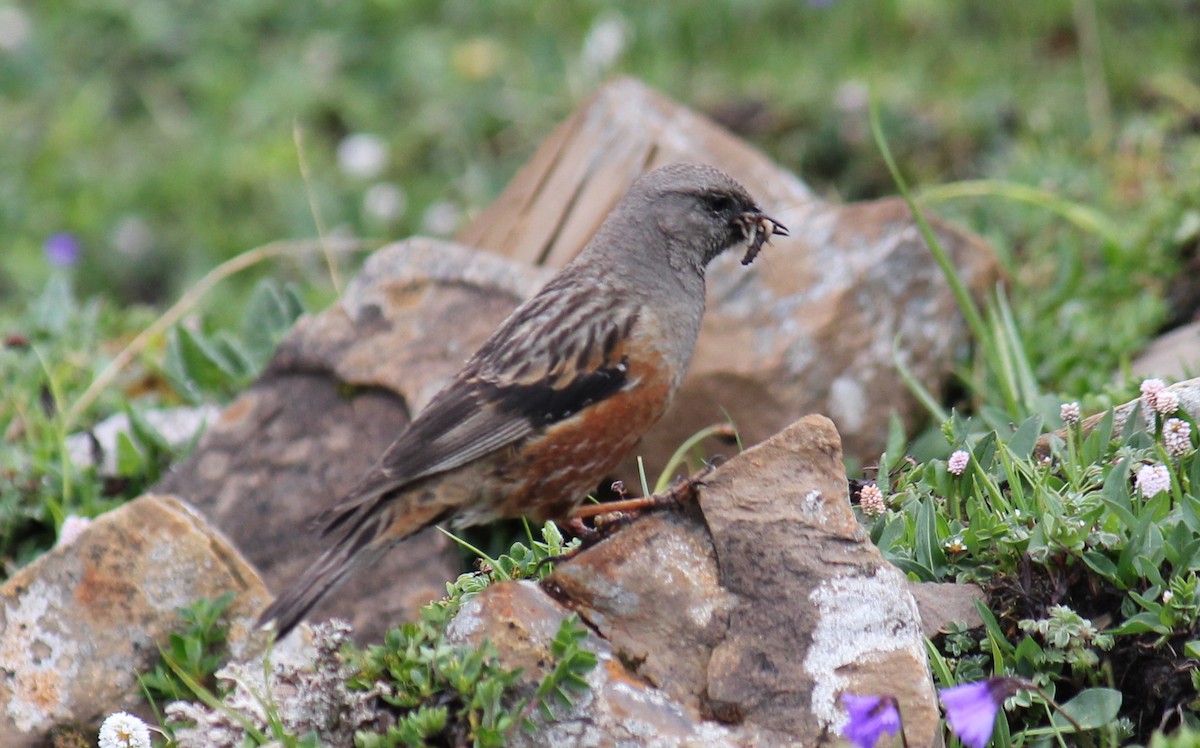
(719,203)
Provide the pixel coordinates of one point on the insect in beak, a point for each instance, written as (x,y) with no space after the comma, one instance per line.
(758,228)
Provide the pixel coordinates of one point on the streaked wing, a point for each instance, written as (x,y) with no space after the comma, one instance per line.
(554,356)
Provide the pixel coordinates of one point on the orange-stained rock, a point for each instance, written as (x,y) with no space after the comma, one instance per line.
(83,620)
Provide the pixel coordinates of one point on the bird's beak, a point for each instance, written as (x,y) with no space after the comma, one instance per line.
(758,228)
(771,227)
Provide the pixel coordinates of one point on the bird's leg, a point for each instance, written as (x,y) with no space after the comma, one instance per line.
(576,527)
(610,515)
(683,491)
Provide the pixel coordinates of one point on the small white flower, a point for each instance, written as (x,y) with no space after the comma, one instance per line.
(852,97)
(870,499)
(122,730)
(1166,402)
(362,155)
(441,219)
(1069,413)
(1177,436)
(958,462)
(604,44)
(1168,596)
(132,236)
(14,28)
(384,202)
(1153,480)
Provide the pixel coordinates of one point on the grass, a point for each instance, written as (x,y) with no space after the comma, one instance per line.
(170,140)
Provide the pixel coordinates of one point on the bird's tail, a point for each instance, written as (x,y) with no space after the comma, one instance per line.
(350,551)
(361,530)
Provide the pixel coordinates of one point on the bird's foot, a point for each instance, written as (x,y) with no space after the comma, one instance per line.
(626,509)
(609,516)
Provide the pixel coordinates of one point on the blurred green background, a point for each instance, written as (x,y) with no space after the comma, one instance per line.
(160,135)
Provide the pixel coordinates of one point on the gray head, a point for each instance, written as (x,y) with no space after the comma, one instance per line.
(698,210)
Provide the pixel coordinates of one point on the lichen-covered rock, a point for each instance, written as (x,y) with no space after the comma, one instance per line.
(305,689)
(759,606)
(78,624)
(617,709)
(819,610)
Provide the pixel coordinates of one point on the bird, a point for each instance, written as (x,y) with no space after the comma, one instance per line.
(559,392)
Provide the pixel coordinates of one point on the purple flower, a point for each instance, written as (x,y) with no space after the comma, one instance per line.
(870,717)
(62,249)
(971,707)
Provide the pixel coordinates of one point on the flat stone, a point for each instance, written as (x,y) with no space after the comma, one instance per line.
(1173,355)
(79,623)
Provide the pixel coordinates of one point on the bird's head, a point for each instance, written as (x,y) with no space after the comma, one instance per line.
(702,212)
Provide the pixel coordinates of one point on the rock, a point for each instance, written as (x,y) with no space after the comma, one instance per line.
(735,620)
(762,610)
(653,590)
(819,610)
(307,684)
(618,709)
(1188,392)
(809,327)
(80,622)
(98,445)
(341,387)
(1173,355)
(942,603)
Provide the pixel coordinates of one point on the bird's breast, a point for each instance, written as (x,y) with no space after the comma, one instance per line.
(552,471)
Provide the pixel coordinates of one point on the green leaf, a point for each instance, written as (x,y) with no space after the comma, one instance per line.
(995,633)
(130,459)
(1101,564)
(191,359)
(929,547)
(146,435)
(895,447)
(1092,708)
(1141,623)
(1022,442)
(1192,649)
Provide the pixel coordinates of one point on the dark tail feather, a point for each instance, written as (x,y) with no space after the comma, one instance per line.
(367,532)
(364,542)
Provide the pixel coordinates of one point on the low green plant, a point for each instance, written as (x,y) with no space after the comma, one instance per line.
(1090,566)
(440,688)
(193,654)
(217,365)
